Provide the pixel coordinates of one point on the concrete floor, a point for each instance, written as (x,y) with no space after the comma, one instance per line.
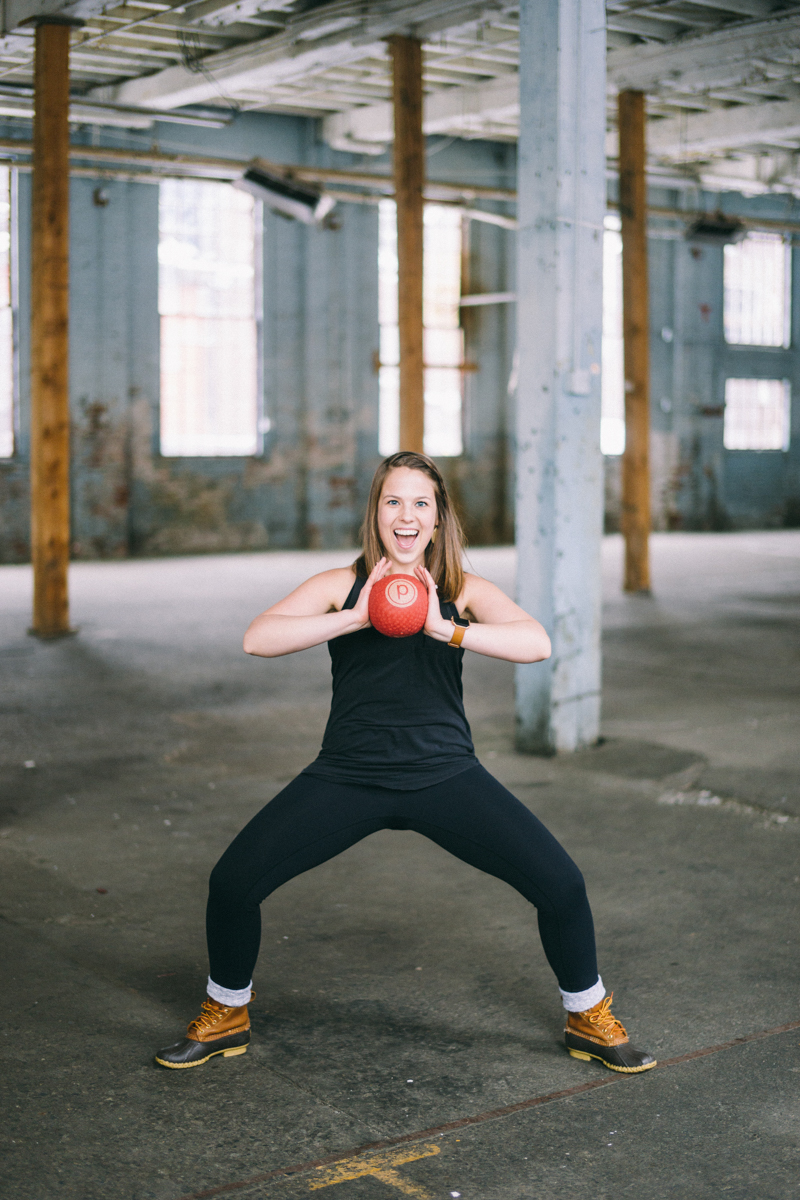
(399,991)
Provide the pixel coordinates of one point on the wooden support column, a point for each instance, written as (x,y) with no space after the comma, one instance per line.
(49,316)
(409,180)
(636,333)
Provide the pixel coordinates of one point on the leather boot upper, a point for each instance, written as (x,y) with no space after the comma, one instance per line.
(217,1020)
(598,1024)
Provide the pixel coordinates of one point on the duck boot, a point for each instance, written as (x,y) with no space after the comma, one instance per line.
(218,1030)
(598,1034)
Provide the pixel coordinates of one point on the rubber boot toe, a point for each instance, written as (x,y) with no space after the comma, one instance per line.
(623,1057)
(190,1053)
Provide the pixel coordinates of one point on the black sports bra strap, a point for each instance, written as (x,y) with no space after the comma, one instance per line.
(354,593)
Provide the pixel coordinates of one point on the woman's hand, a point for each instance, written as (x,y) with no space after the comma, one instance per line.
(360,609)
(311,614)
(435,624)
(499,628)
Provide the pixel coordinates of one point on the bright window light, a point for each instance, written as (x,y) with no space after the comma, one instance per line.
(443,336)
(757,280)
(757,414)
(612,419)
(209,334)
(389,345)
(6,322)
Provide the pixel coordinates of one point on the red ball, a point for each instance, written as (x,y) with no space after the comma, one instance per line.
(398,605)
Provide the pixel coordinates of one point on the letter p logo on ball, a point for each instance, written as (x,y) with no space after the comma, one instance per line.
(398,605)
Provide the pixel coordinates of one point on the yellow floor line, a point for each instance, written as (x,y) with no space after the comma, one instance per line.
(378,1165)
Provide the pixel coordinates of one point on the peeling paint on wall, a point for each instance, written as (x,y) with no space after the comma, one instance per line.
(320,338)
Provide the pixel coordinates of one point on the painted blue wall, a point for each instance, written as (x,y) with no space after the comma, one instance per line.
(696,482)
(320,341)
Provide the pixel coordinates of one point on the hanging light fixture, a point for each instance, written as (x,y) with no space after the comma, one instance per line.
(300,201)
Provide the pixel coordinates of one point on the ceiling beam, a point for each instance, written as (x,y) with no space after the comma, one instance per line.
(747,8)
(459,110)
(722,58)
(724,129)
(336,34)
(228,12)
(14,13)
(466,110)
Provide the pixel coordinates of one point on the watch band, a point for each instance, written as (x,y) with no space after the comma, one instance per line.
(460,627)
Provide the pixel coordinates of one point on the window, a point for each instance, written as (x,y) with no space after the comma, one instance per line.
(757,279)
(6,321)
(444,339)
(389,344)
(757,413)
(612,419)
(207,258)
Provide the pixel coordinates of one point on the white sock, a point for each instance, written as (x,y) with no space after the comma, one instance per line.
(581,1001)
(226,996)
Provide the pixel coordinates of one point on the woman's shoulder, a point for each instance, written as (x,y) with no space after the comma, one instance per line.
(481,598)
(322,593)
(338,575)
(336,584)
(476,585)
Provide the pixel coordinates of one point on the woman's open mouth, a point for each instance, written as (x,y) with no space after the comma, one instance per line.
(406,538)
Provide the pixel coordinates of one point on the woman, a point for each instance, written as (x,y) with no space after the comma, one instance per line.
(397,754)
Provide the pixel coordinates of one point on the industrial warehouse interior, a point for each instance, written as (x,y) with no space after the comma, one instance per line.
(248,250)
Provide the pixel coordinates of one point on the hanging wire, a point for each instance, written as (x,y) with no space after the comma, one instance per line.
(93,39)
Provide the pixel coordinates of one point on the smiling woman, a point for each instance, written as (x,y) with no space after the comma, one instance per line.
(397,754)
(397,516)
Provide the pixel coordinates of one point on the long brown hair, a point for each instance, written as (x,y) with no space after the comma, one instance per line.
(443,554)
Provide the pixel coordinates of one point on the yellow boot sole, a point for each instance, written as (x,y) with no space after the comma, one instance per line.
(623,1070)
(231,1053)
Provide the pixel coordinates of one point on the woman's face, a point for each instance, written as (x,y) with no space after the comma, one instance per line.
(406,516)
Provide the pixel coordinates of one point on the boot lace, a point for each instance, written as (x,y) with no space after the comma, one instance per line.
(210,1014)
(604,1020)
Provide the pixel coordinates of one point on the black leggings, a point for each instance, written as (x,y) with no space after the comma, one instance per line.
(471,815)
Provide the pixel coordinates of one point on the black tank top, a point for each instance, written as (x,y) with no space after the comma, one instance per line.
(397,714)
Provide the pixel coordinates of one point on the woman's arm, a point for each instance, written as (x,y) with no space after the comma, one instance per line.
(501,628)
(311,614)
